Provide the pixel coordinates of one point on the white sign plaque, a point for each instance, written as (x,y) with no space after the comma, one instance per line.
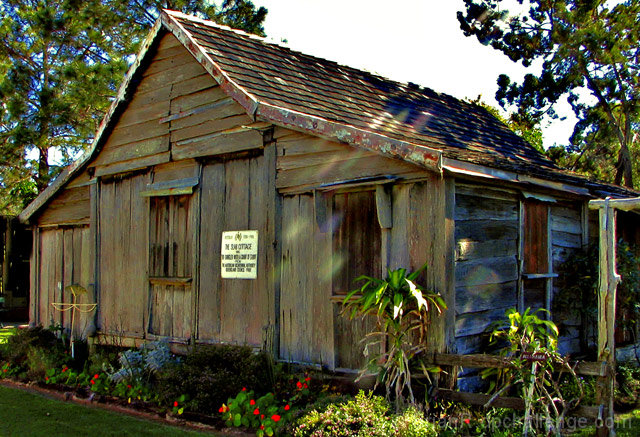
(239,255)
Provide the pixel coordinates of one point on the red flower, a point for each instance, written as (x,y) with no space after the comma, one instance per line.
(96,376)
(128,385)
(175,403)
(256,411)
(275,418)
(4,370)
(467,421)
(92,382)
(244,388)
(307,379)
(261,426)
(261,416)
(286,407)
(64,370)
(299,384)
(46,378)
(252,402)
(305,386)
(220,410)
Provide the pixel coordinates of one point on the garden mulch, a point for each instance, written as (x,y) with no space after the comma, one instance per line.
(187,420)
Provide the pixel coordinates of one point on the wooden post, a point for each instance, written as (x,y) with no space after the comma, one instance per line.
(608,284)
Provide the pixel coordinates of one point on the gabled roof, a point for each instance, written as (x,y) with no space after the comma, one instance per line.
(309,94)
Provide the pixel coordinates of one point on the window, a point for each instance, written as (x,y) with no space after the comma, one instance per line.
(170,239)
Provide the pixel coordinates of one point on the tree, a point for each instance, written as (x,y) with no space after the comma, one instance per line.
(60,65)
(590,55)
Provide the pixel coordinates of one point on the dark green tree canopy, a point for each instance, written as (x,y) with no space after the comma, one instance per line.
(590,55)
(61,62)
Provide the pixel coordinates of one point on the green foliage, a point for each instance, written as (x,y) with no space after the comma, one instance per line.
(265,414)
(209,375)
(536,370)
(32,351)
(403,311)
(61,62)
(364,415)
(412,423)
(588,53)
(578,289)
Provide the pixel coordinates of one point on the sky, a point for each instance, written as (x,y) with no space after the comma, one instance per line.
(417,41)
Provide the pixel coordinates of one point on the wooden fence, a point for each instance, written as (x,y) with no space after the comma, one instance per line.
(481,361)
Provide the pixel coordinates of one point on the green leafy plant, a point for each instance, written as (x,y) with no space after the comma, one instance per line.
(403,310)
(536,370)
(265,414)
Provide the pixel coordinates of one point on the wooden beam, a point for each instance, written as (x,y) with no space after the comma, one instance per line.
(628,204)
(608,283)
(507,402)
(487,361)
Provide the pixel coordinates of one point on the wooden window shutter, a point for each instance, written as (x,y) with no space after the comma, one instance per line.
(536,237)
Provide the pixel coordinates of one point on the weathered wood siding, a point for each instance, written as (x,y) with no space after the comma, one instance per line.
(339,232)
(486,268)
(176,112)
(238,194)
(65,259)
(70,206)
(305,161)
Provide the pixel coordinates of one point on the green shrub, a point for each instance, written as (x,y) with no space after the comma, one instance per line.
(33,351)
(210,375)
(365,415)
(412,423)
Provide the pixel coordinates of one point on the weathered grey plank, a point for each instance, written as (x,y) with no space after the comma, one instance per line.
(479,207)
(470,250)
(486,271)
(482,230)
(476,298)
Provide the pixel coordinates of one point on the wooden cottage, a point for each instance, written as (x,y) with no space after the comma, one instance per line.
(236,188)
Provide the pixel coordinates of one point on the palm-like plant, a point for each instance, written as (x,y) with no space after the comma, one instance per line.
(403,310)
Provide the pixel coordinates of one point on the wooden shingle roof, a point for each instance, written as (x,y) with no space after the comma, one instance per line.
(283,78)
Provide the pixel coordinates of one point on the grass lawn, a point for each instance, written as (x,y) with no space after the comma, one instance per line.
(5,333)
(26,414)
(627,425)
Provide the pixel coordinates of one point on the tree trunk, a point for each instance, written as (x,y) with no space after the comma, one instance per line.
(42,176)
(623,167)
